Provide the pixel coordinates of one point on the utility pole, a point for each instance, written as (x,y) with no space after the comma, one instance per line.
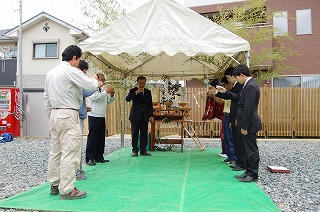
(19,74)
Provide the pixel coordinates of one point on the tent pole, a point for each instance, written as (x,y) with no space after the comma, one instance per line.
(248,58)
(123,117)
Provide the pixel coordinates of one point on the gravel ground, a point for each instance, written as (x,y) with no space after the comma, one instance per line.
(23,165)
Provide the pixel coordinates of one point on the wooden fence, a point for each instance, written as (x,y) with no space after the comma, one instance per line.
(290,112)
(285,112)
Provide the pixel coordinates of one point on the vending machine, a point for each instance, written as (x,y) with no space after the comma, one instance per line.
(10,111)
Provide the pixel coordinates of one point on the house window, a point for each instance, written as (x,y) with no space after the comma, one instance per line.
(287,82)
(311,81)
(45,50)
(304,81)
(280,23)
(304,22)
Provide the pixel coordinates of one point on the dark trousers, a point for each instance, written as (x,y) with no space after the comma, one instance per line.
(238,147)
(223,146)
(142,127)
(228,139)
(96,138)
(252,154)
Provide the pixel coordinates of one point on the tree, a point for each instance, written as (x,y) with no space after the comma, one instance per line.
(101,13)
(251,21)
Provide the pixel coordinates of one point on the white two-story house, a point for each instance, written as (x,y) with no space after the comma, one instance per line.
(44,37)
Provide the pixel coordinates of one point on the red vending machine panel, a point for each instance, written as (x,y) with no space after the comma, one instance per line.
(10,111)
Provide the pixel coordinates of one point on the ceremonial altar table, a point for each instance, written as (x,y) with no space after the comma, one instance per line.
(172,118)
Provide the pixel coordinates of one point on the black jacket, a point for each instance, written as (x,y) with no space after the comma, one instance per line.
(141,104)
(247,114)
(233,96)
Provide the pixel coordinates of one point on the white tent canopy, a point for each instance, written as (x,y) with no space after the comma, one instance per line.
(163,37)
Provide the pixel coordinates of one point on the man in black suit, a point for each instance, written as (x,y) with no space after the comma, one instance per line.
(141,113)
(233,96)
(248,121)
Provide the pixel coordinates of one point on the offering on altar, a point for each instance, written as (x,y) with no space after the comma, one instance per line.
(176,111)
(168,105)
(156,108)
(186,111)
(183,104)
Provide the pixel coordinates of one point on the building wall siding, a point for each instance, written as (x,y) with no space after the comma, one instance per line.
(307,45)
(34,81)
(33,66)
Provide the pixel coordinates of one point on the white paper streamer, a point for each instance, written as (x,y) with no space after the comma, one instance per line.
(194,96)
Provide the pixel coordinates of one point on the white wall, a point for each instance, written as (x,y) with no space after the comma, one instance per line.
(56,32)
(36,123)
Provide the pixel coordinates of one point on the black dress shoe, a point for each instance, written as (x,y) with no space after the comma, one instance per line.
(231,162)
(247,179)
(226,160)
(91,163)
(54,190)
(102,161)
(234,165)
(237,168)
(145,153)
(240,176)
(134,154)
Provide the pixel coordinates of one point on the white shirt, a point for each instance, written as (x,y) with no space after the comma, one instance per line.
(246,81)
(227,105)
(234,84)
(63,87)
(98,102)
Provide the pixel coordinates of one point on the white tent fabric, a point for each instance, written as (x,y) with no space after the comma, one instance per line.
(159,38)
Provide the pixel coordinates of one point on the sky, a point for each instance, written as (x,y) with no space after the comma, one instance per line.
(66,10)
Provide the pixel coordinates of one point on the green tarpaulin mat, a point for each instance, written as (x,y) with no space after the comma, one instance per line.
(191,180)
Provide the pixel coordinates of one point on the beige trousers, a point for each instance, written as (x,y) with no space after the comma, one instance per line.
(65,151)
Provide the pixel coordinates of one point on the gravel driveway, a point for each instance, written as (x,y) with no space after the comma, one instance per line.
(23,165)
